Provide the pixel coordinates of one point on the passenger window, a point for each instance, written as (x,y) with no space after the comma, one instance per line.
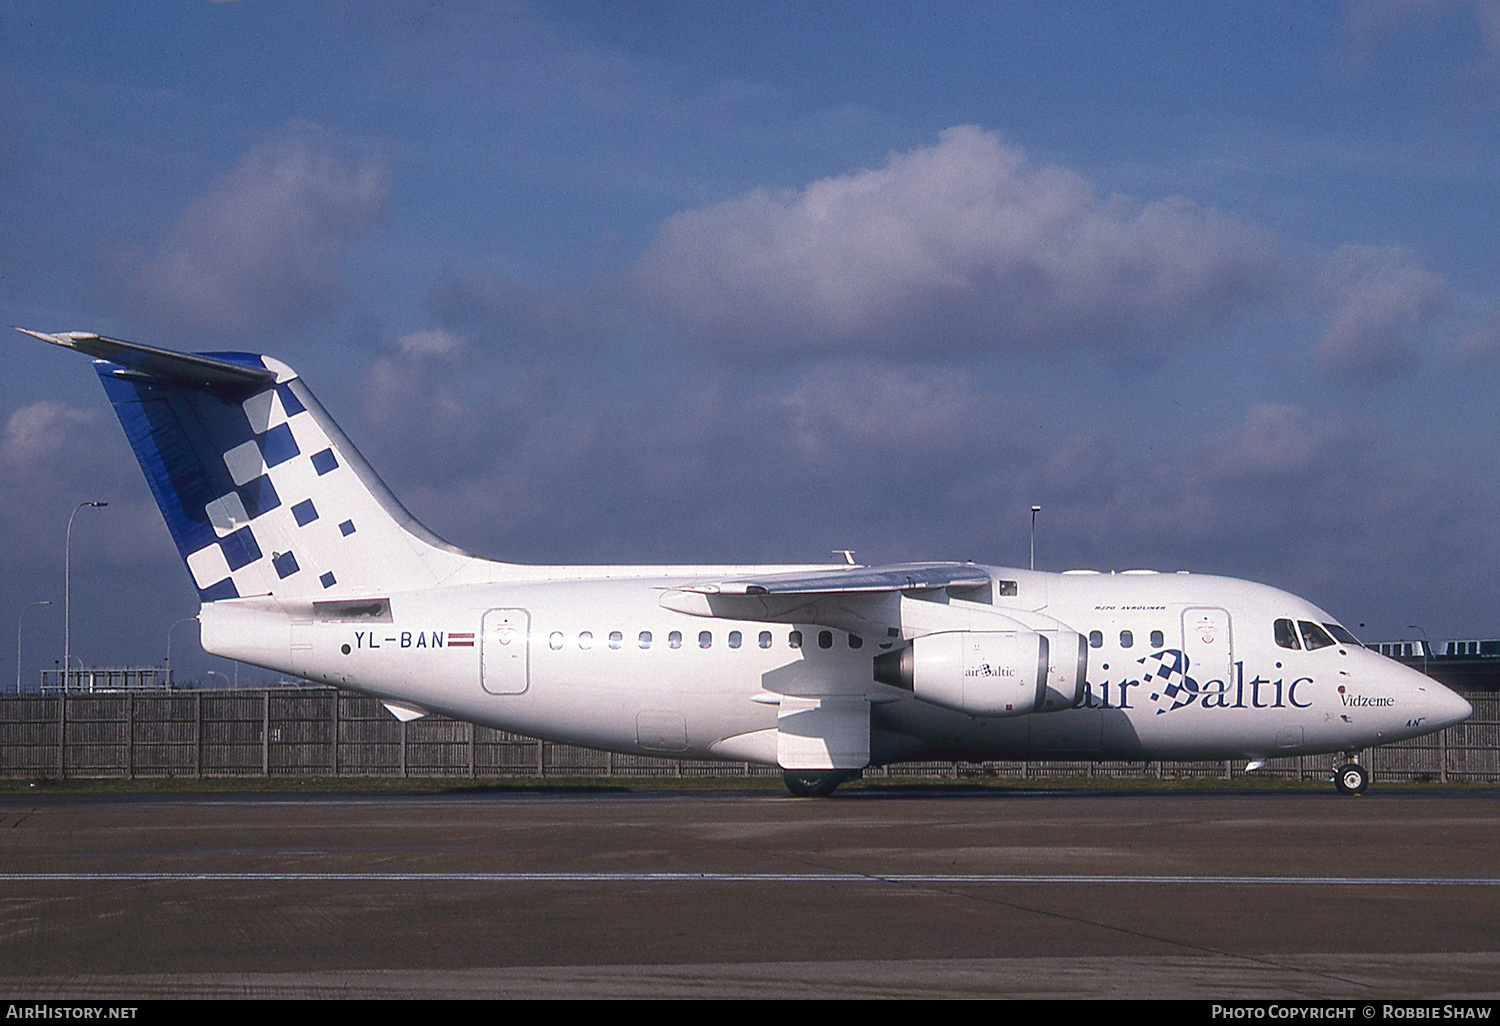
(1314,636)
(585,640)
(555,640)
(1286,634)
(765,639)
(734,639)
(674,640)
(616,639)
(794,639)
(1158,639)
(1005,588)
(645,639)
(1096,639)
(825,639)
(855,641)
(705,639)
(1127,639)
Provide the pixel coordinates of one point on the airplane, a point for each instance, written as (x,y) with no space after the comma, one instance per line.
(306,564)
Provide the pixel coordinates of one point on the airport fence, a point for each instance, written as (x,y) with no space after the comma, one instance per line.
(322,732)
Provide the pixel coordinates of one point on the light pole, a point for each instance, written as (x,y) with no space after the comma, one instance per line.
(68,589)
(40,602)
(170,629)
(1426,644)
(1034,511)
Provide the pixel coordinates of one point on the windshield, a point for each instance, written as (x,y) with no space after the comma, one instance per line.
(1343,636)
(1314,636)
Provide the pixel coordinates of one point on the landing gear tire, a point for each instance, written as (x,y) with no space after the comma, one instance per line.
(1351,778)
(814,783)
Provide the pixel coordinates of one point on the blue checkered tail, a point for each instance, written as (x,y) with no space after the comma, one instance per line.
(262,492)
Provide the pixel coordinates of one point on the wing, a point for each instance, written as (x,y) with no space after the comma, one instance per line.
(852,580)
(873,601)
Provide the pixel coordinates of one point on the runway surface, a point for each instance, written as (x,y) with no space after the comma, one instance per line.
(569,894)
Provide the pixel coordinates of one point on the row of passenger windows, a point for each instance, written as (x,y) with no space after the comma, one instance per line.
(1299,635)
(1302,634)
(1127,639)
(705,640)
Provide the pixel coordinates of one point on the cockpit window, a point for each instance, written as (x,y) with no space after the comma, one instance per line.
(1314,636)
(1286,634)
(1341,634)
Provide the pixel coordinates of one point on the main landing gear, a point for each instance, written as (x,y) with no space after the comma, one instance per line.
(816,783)
(1351,777)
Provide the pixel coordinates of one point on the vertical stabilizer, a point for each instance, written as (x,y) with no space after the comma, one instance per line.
(262,492)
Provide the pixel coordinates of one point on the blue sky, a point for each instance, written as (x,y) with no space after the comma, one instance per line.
(1216,284)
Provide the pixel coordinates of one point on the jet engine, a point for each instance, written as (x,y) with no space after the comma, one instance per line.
(991,673)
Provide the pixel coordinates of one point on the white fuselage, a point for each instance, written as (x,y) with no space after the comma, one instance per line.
(596,657)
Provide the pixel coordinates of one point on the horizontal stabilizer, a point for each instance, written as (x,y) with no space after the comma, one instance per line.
(897,577)
(149,362)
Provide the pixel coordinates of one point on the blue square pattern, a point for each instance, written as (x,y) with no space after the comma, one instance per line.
(277,445)
(285,564)
(224,589)
(328,579)
(324,461)
(289,402)
(258,496)
(305,512)
(346,528)
(240,549)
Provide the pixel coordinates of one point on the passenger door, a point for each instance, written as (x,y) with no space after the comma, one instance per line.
(504,663)
(1208,644)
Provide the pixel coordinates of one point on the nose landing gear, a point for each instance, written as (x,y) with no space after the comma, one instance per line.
(1351,777)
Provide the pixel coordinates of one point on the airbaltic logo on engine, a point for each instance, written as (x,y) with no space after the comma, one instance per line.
(1168,685)
(986,670)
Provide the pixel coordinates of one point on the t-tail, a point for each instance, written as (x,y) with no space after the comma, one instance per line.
(262,492)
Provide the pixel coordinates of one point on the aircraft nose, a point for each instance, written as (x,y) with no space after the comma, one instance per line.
(1448,707)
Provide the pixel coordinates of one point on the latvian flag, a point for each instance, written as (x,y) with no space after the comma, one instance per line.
(460,639)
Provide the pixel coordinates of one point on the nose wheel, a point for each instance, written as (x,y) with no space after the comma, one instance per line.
(1351,778)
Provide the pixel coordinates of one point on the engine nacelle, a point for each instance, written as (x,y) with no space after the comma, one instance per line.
(991,673)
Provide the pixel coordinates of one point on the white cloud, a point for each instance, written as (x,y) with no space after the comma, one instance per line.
(893,411)
(1369,21)
(965,244)
(434,343)
(1481,342)
(261,246)
(1378,301)
(1488,12)
(40,431)
(1284,443)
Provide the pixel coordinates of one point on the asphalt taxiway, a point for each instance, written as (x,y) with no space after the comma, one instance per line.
(869,893)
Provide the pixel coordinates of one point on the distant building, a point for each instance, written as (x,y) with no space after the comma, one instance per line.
(1468,664)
